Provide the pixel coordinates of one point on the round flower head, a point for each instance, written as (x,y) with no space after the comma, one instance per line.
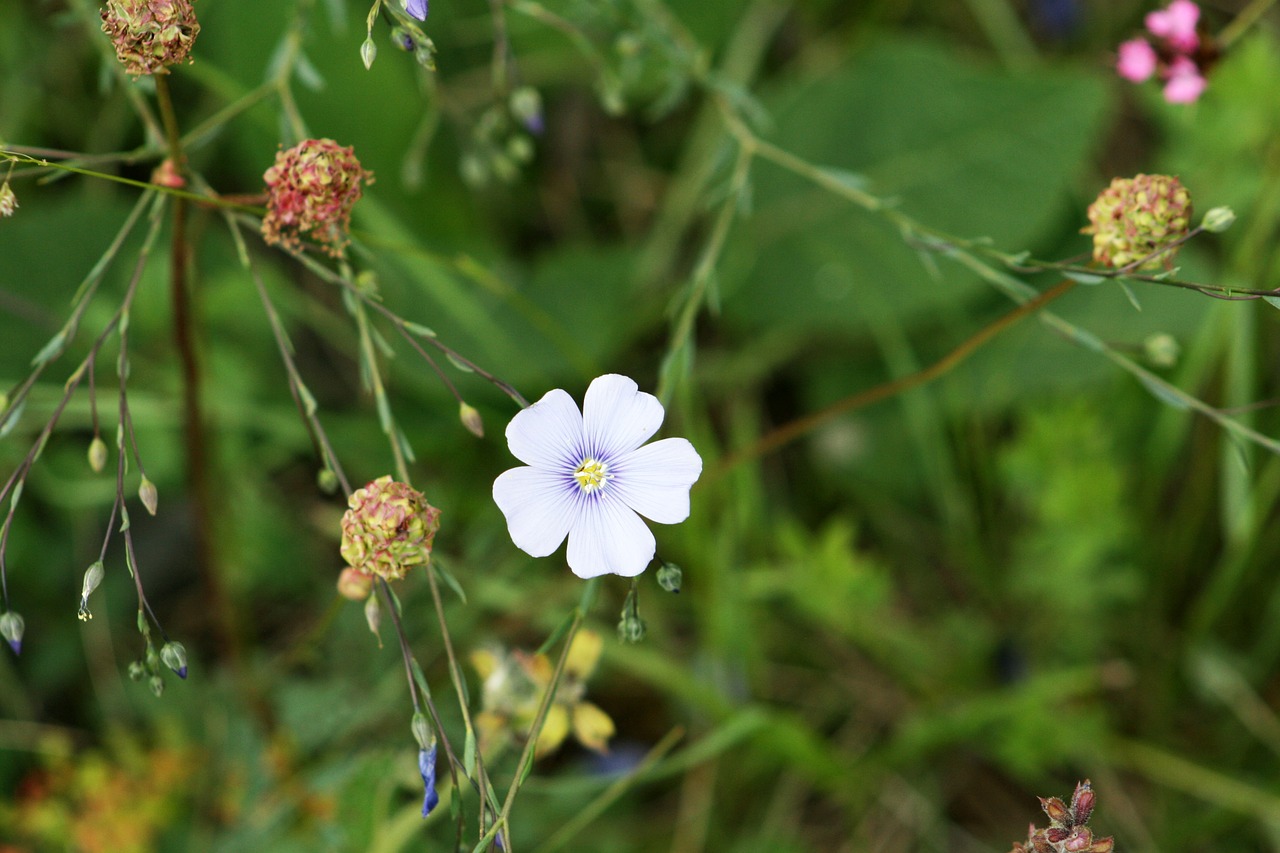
(589,479)
(388,528)
(150,35)
(1137,60)
(312,188)
(1136,217)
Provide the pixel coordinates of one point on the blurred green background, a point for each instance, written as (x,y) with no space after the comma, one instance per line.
(894,632)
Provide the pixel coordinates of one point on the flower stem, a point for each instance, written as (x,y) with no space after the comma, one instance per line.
(195,437)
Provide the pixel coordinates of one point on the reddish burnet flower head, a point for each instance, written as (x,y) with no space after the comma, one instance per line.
(311,190)
(1136,218)
(150,35)
(389,528)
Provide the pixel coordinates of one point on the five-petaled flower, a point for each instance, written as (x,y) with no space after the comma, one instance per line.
(589,478)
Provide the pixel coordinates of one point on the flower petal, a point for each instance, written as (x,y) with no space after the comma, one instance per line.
(539,506)
(608,538)
(617,416)
(547,434)
(654,480)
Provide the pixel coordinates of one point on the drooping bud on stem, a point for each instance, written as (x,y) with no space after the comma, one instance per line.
(97,454)
(148,495)
(670,577)
(12,628)
(471,420)
(174,656)
(92,577)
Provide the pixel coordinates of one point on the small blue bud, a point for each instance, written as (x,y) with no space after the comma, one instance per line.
(427,767)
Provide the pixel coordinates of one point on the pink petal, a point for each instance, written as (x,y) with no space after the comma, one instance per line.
(1185,83)
(1176,24)
(1137,60)
(617,416)
(608,538)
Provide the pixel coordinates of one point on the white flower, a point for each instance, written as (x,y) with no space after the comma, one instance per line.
(588,477)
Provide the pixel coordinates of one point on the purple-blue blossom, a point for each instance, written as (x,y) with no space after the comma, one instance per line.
(427,767)
(416,8)
(588,478)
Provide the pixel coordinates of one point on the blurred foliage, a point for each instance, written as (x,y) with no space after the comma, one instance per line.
(893,633)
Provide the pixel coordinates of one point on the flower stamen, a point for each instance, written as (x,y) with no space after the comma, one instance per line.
(592,474)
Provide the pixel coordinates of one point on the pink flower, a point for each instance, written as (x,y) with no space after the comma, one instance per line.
(1176,24)
(1184,82)
(1137,60)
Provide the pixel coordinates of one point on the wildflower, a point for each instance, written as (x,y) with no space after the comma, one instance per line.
(588,478)
(1176,24)
(8,200)
(311,190)
(1137,60)
(150,35)
(416,8)
(388,528)
(1067,832)
(1179,56)
(513,686)
(427,768)
(1183,83)
(1139,218)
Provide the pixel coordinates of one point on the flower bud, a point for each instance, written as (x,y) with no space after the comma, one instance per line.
(137,670)
(427,769)
(670,577)
(388,528)
(12,628)
(631,628)
(1139,219)
(1055,809)
(1218,219)
(471,420)
(156,683)
(8,200)
(373,616)
(148,495)
(368,53)
(97,454)
(526,105)
(327,481)
(174,656)
(354,585)
(150,35)
(1082,803)
(92,577)
(422,731)
(1161,350)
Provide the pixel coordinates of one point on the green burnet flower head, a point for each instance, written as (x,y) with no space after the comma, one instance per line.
(1137,217)
(311,190)
(150,35)
(388,529)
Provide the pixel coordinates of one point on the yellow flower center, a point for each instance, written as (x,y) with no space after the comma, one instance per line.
(591,475)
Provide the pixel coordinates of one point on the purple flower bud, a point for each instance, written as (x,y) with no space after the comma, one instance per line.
(427,761)
(416,8)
